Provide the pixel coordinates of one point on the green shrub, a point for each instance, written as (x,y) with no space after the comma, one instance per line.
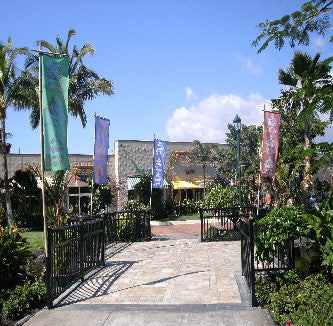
(14,254)
(29,218)
(23,299)
(221,196)
(277,229)
(298,301)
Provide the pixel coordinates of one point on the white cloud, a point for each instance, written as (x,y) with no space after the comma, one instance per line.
(249,65)
(318,42)
(207,121)
(190,96)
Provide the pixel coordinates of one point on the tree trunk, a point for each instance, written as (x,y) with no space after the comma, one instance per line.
(5,169)
(306,182)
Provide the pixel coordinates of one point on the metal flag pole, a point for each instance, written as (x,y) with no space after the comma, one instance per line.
(152,176)
(92,179)
(42,149)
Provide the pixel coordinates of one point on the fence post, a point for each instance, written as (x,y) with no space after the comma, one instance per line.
(49,292)
(202,223)
(103,244)
(252,272)
(81,250)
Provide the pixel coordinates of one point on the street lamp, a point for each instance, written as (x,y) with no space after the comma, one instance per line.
(237,124)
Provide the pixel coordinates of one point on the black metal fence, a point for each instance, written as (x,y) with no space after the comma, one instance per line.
(222,224)
(73,251)
(127,226)
(76,249)
(282,259)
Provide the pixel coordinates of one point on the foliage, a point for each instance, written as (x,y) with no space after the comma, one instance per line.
(102,197)
(216,234)
(84,83)
(143,189)
(22,299)
(14,254)
(296,27)
(15,91)
(221,196)
(29,218)
(277,229)
(310,93)
(321,235)
(298,301)
(135,206)
(188,206)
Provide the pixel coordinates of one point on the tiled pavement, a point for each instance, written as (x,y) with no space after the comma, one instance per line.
(180,271)
(172,280)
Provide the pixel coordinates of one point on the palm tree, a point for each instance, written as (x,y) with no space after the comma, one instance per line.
(14,92)
(311,88)
(84,83)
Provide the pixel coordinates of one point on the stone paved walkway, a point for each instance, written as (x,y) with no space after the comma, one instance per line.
(181,271)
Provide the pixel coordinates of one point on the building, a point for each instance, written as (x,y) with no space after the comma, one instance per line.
(131,159)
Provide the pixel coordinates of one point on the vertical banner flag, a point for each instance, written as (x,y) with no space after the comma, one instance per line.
(101,150)
(55,82)
(270,144)
(159,162)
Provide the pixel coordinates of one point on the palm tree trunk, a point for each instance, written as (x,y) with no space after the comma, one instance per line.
(5,169)
(306,182)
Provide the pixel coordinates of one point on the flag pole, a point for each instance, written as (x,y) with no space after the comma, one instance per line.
(92,180)
(42,149)
(151,184)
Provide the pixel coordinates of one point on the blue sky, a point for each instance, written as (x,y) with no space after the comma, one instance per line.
(181,69)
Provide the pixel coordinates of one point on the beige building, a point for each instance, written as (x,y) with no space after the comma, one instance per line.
(132,159)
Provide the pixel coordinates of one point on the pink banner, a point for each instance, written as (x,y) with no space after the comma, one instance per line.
(270,144)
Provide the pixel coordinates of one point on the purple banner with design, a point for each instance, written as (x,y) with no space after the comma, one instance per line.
(101,150)
(159,162)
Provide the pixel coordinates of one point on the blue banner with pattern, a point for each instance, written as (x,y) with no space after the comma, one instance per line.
(159,162)
(101,150)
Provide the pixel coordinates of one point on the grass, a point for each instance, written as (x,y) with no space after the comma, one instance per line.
(34,238)
(195,216)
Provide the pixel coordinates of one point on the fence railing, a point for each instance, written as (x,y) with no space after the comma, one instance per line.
(74,250)
(127,226)
(222,224)
(280,260)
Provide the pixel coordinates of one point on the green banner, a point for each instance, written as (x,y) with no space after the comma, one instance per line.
(55,82)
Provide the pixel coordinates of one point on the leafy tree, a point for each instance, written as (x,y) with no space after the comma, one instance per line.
(14,92)
(202,154)
(143,189)
(84,83)
(296,27)
(310,92)
(102,196)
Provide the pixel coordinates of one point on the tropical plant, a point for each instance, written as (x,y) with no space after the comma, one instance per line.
(15,91)
(102,197)
(310,93)
(55,191)
(221,196)
(296,27)
(14,254)
(84,83)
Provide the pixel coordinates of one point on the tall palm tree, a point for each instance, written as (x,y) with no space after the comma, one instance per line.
(84,83)
(311,87)
(15,92)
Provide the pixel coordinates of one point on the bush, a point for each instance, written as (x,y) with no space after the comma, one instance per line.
(29,218)
(221,196)
(298,301)
(23,299)
(14,254)
(277,229)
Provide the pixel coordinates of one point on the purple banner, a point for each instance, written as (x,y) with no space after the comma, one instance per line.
(101,150)
(159,162)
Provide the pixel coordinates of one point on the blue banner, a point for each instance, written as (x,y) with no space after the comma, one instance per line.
(101,150)
(159,162)
(55,83)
